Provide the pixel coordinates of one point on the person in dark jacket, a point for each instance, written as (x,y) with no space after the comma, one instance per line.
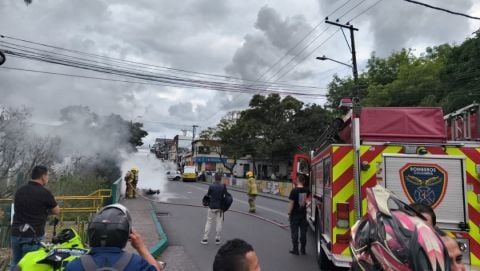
(216,192)
(297,214)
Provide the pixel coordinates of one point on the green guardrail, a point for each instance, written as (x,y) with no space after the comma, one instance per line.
(117,187)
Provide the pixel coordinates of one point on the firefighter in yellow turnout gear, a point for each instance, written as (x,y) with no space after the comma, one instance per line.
(131,180)
(252,191)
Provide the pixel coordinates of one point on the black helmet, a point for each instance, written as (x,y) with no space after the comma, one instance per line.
(110,227)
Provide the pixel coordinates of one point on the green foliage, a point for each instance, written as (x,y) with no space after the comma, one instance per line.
(461,74)
(443,75)
(271,128)
(77,184)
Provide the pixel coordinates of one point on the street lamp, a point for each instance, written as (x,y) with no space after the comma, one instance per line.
(2,58)
(339,62)
(354,70)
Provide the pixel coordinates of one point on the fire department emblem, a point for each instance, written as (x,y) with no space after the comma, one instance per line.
(425,183)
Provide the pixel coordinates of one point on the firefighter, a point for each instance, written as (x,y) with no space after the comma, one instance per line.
(128,184)
(131,180)
(134,181)
(252,191)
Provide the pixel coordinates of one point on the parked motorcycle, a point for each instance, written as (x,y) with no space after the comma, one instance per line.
(53,256)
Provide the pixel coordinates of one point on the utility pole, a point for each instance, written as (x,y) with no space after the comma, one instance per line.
(194,128)
(356,110)
(355,93)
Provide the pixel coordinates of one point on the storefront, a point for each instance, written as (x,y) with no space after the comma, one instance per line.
(208,163)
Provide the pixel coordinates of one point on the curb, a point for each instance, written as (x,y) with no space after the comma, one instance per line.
(158,249)
(280,198)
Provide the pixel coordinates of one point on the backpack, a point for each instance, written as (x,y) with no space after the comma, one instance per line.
(206,200)
(227,200)
(89,264)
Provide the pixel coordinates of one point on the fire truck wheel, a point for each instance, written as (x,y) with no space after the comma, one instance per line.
(322,259)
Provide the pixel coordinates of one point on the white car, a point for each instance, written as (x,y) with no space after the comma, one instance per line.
(174,175)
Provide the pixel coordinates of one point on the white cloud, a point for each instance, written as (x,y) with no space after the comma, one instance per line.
(241,38)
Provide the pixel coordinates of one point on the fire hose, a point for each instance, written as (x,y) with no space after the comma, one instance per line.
(280,225)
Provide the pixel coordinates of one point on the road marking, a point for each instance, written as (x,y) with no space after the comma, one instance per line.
(246,203)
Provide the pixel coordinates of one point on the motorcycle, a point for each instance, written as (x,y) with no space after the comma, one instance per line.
(53,256)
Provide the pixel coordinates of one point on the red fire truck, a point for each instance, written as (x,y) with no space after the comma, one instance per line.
(407,150)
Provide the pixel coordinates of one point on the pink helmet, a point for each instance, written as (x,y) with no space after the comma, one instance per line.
(392,236)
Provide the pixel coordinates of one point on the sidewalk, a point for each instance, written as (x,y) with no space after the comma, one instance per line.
(145,221)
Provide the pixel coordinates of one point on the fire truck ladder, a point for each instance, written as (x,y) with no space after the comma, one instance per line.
(462,130)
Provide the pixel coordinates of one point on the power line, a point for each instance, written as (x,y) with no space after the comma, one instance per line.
(365,10)
(442,9)
(350,10)
(175,81)
(290,50)
(148,83)
(67,58)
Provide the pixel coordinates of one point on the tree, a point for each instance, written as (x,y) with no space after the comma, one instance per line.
(136,134)
(21,150)
(461,74)
(416,84)
(309,124)
(225,139)
(269,122)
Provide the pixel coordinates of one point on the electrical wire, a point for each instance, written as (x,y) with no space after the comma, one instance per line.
(130,63)
(351,9)
(442,9)
(32,54)
(365,11)
(149,83)
(290,50)
(160,78)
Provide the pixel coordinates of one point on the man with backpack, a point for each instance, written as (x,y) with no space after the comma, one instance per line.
(108,233)
(217,195)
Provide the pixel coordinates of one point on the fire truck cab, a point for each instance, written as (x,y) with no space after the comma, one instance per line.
(406,150)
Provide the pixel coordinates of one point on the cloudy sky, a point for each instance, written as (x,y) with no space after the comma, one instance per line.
(268,41)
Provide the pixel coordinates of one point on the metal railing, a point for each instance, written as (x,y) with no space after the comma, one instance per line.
(79,204)
(74,207)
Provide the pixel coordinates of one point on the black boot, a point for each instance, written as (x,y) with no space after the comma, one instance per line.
(302,251)
(294,251)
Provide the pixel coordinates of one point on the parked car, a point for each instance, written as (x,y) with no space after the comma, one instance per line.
(173,175)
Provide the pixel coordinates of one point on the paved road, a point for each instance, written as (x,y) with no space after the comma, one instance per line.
(184,228)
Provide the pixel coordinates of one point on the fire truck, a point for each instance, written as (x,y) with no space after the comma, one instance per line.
(416,152)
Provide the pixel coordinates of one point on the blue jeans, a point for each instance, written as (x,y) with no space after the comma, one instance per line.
(20,247)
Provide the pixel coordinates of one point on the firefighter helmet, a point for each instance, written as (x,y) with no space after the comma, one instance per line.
(134,170)
(249,174)
(393,236)
(110,227)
